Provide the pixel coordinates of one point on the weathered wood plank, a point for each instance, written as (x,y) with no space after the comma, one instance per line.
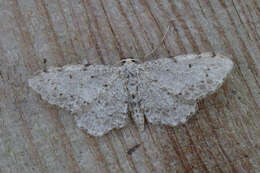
(36,137)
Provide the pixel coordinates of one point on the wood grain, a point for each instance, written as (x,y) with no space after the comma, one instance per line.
(36,137)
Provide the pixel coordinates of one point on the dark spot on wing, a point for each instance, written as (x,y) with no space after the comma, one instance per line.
(44,60)
(132,84)
(70,76)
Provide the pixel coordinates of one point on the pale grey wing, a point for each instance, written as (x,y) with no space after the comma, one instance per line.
(96,93)
(171,88)
(162,107)
(72,86)
(106,112)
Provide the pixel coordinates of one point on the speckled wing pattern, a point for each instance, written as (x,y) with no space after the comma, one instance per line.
(170,88)
(165,91)
(95,93)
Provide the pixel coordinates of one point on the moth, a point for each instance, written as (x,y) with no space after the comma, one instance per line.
(105,97)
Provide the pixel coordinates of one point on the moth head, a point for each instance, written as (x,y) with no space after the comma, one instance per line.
(129,61)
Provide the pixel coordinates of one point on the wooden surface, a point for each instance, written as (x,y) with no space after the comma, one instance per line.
(224,136)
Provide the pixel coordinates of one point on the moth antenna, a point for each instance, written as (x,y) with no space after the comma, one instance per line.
(162,40)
